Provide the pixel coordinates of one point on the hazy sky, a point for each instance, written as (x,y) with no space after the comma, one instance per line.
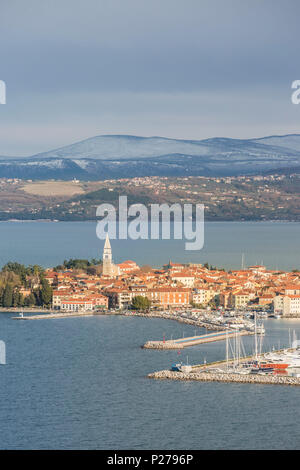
(175,68)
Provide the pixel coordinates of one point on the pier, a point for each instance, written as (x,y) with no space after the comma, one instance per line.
(194,340)
(206,376)
(47,316)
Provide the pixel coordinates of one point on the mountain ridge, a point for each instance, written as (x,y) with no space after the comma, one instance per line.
(119,146)
(123,156)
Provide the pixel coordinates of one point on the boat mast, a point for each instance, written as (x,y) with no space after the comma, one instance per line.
(260,343)
(255,336)
(227,350)
(294,344)
(238,338)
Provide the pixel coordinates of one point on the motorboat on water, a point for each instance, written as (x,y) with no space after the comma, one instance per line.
(179,367)
(265,365)
(291,358)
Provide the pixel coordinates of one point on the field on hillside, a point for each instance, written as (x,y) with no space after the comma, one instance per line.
(269,197)
(53,188)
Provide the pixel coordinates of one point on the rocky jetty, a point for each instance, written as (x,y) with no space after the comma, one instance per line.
(202,376)
(161,345)
(179,318)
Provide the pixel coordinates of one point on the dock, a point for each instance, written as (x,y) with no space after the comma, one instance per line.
(194,340)
(47,316)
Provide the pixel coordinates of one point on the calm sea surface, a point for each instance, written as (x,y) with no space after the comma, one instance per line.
(49,243)
(81,382)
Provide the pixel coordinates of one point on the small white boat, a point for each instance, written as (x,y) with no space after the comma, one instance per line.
(260,329)
(186,369)
(21,314)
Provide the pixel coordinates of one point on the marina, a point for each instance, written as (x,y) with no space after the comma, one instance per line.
(281,367)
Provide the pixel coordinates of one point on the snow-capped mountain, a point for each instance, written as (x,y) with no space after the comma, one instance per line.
(291,141)
(117,156)
(120,147)
(125,147)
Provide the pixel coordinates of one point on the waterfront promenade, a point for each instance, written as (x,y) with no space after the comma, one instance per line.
(52,314)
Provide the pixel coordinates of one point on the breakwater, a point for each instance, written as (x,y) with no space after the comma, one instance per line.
(194,340)
(202,376)
(47,316)
(178,318)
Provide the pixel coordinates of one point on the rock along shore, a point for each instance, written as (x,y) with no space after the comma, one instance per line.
(227,378)
(173,316)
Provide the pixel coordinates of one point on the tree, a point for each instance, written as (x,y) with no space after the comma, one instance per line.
(140,303)
(15,298)
(46,293)
(80,263)
(91,270)
(21,301)
(16,268)
(213,303)
(7,299)
(30,300)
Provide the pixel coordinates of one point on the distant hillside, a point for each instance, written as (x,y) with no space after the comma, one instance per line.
(291,141)
(122,156)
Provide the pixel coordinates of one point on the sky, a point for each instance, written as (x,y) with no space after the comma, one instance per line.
(187,69)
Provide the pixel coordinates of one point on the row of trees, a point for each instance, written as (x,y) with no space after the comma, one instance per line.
(140,303)
(14,277)
(212,268)
(24,273)
(92,266)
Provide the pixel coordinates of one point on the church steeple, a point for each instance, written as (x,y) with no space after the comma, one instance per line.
(107,247)
(107,258)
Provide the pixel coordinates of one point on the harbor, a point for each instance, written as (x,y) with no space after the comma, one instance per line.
(208,320)
(281,366)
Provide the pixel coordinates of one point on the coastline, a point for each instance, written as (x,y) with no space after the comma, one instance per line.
(51,313)
(26,310)
(293,221)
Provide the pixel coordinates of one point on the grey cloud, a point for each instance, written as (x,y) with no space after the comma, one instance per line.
(190,69)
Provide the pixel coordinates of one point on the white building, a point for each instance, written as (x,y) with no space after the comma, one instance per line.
(278,304)
(291,306)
